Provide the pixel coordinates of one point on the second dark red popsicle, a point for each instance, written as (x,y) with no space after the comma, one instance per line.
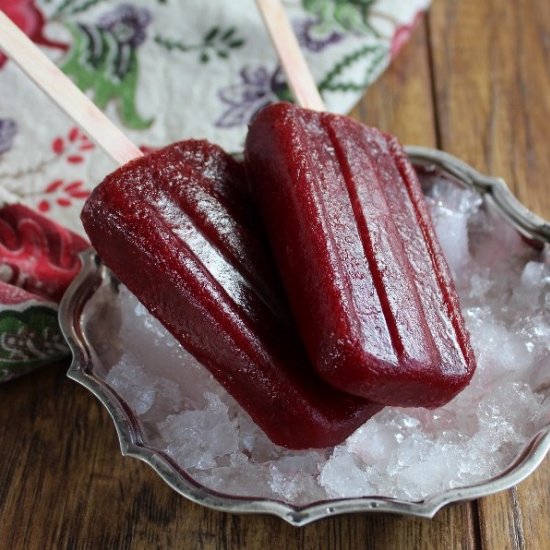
(354,243)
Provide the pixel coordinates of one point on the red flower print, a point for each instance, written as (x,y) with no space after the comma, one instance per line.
(38,255)
(30,20)
(68,191)
(402,34)
(73,145)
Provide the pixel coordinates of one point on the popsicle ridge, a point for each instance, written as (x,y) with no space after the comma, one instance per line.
(441,269)
(365,208)
(337,262)
(404,199)
(218,226)
(186,229)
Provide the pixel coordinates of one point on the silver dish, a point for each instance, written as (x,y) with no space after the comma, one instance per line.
(133,443)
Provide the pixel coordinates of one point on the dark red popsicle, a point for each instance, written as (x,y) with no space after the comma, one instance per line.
(368,284)
(177,227)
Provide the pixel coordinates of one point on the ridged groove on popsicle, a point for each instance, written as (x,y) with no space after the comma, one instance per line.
(390,379)
(211,256)
(383,247)
(441,269)
(331,316)
(432,278)
(339,260)
(207,204)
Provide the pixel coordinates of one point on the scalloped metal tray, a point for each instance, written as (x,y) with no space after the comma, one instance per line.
(133,442)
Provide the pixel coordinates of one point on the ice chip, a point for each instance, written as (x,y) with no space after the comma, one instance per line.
(341,476)
(199,439)
(141,389)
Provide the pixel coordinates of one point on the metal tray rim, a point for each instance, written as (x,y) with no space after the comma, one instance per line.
(132,443)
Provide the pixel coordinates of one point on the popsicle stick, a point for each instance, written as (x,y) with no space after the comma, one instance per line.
(18,47)
(292,59)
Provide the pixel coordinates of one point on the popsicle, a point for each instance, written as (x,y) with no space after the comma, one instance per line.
(177,227)
(368,284)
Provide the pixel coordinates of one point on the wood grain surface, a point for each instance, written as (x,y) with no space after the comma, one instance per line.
(474,80)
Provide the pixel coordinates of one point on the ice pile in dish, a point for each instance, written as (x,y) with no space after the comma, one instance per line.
(503,284)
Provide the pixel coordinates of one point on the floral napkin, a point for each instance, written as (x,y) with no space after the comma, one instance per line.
(163,70)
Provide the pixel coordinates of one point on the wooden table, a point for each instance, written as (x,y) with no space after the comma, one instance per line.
(475,81)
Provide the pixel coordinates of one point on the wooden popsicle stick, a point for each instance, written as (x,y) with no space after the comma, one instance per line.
(292,59)
(60,88)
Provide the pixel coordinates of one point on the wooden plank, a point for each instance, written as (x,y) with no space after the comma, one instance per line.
(532,505)
(492,76)
(400,102)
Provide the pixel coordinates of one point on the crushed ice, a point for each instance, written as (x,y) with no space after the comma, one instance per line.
(504,287)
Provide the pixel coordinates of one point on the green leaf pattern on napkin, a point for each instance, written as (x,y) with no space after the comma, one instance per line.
(344,77)
(29,338)
(215,42)
(353,40)
(349,15)
(103,58)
